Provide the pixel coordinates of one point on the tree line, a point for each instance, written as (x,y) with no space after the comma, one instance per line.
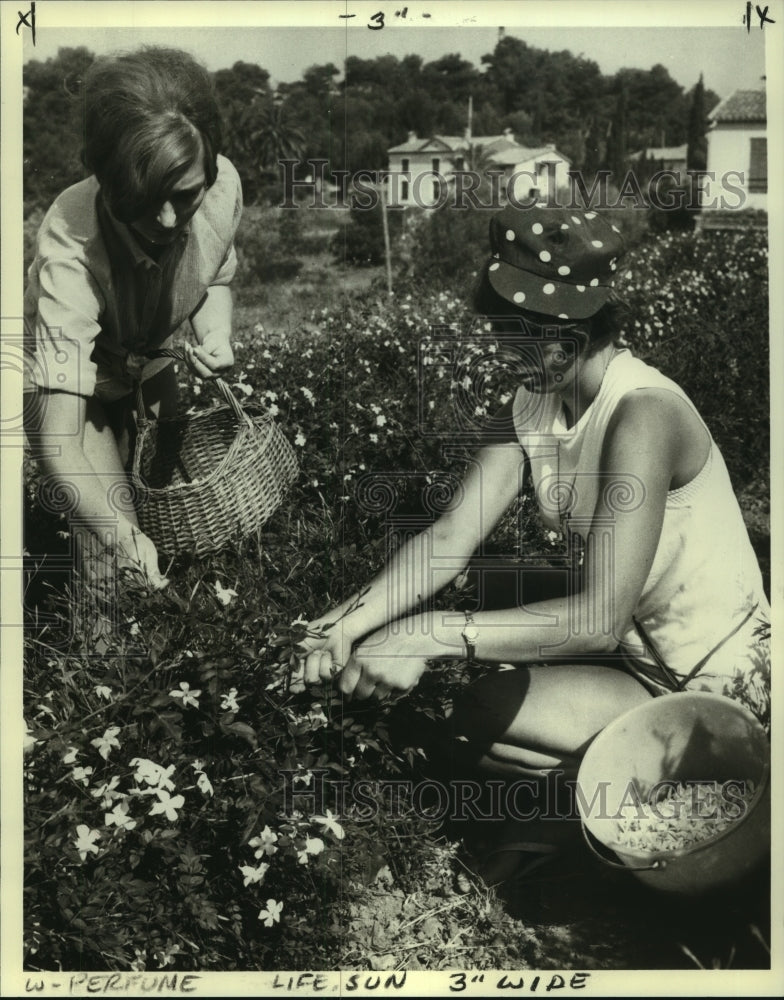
(350,115)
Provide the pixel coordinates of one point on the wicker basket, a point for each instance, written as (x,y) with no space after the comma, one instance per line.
(207,479)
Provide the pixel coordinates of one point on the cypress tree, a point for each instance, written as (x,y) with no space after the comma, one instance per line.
(697,143)
(616,139)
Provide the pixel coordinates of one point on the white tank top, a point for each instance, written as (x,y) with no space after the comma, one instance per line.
(704,579)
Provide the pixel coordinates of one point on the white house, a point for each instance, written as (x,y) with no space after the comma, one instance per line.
(737,149)
(663,157)
(422,168)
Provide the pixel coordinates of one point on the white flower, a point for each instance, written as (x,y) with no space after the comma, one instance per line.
(273,410)
(104,692)
(167,805)
(316,715)
(244,388)
(305,777)
(119,817)
(229,701)
(106,792)
(313,845)
(82,774)
(271,914)
(204,784)
(381,420)
(166,957)
(71,756)
(308,395)
(188,697)
(105,743)
(299,440)
(251,875)
(224,594)
(153,774)
(329,822)
(85,841)
(264,843)
(373,438)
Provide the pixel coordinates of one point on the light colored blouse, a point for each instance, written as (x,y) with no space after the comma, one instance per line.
(704,580)
(95,299)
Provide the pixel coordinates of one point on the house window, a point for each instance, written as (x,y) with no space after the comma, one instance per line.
(436,164)
(758,166)
(404,165)
(460,164)
(404,190)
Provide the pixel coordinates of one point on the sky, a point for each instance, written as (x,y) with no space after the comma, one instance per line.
(729,57)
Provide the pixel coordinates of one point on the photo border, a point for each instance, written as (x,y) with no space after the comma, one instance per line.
(454,13)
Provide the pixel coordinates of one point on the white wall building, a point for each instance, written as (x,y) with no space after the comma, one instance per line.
(663,157)
(423,166)
(737,145)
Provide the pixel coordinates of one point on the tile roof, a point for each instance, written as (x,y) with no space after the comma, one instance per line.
(741,106)
(501,149)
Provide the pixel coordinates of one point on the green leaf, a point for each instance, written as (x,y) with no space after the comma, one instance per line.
(243,731)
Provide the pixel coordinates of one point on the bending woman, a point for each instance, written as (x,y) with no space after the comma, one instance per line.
(666,592)
(123,259)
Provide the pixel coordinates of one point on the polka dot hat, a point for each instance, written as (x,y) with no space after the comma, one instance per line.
(557,261)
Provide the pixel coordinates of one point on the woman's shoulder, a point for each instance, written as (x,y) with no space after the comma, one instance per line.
(636,384)
(227,173)
(222,206)
(71,223)
(630,372)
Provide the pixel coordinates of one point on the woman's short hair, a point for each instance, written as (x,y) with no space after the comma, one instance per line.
(148,115)
(605,326)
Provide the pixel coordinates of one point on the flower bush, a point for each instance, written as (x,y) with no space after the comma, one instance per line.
(174,763)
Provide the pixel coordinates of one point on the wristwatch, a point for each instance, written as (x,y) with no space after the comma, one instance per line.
(470,634)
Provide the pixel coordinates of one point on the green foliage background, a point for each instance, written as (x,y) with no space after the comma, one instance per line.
(541,96)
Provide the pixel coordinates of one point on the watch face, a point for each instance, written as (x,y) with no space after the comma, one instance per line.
(471,633)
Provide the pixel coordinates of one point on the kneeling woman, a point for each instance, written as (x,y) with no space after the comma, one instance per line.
(668,594)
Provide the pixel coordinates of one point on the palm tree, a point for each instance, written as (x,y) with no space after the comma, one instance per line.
(478,160)
(276,137)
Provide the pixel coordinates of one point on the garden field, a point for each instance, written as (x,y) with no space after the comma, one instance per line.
(174,766)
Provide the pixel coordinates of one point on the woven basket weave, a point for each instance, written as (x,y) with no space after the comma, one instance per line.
(207,479)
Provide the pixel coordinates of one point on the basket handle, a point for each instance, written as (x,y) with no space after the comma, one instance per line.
(220,385)
(591,841)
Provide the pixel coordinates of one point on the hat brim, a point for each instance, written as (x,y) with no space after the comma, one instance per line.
(559,299)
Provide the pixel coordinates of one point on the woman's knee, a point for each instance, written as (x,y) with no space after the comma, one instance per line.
(490,704)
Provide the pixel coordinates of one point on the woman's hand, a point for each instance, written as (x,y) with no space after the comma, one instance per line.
(328,651)
(384,664)
(212,357)
(136,551)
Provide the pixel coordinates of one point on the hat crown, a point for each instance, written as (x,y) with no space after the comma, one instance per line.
(553,260)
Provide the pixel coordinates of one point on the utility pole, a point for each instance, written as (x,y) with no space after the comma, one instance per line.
(385,226)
